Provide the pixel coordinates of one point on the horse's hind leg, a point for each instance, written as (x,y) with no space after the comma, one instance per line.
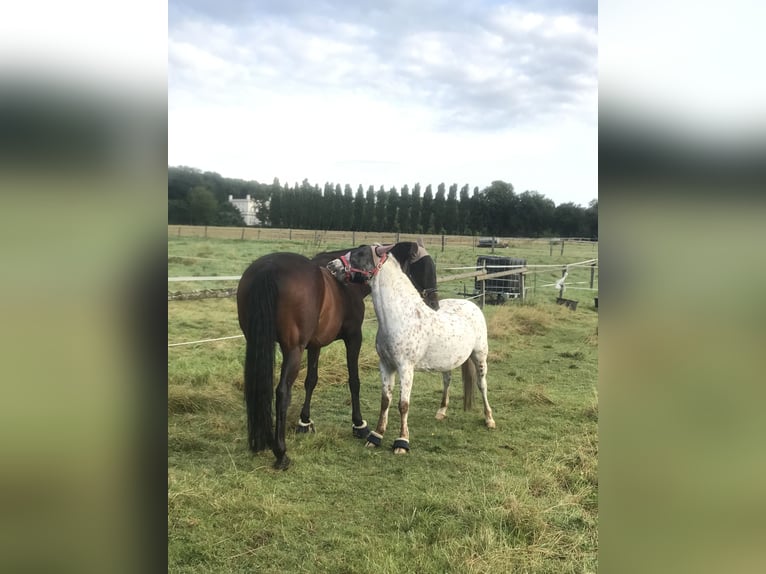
(353,346)
(480,361)
(291,362)
(442,412)
(306,424)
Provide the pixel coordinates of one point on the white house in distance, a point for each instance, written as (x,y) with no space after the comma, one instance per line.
(246,208)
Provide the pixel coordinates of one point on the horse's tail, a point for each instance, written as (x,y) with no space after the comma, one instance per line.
(259,360)
(468,371)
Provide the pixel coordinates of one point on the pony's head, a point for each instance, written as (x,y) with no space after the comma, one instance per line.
(359,265)
(363,263)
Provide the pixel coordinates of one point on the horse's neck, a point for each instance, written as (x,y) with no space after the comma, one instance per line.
(393,295)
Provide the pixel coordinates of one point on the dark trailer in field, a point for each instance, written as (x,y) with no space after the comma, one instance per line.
(501,289)
(491,242)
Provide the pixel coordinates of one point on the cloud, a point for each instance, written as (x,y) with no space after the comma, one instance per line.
(473,69)
(387,92)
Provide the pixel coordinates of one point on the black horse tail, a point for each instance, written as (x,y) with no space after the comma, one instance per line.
(468,371)
(259,360)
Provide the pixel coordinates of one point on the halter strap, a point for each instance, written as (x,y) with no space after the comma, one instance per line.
(349,269)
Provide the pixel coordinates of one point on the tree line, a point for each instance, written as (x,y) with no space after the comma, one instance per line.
(201,198)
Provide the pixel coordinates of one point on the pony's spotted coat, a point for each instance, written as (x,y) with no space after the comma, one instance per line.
(411,336)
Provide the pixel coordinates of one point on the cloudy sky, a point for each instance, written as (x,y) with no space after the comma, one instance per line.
(388,92)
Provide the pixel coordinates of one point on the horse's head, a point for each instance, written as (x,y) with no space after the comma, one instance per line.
(421,269)
(359,265)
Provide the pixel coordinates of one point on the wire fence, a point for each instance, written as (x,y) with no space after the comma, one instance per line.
(320,237)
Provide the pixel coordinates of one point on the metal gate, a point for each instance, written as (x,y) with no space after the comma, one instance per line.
(500,289)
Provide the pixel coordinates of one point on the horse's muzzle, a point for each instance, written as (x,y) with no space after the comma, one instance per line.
(337,269)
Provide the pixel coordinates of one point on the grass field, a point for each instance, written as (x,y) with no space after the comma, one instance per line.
(521,498)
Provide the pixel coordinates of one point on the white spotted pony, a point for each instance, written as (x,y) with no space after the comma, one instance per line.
(414,337)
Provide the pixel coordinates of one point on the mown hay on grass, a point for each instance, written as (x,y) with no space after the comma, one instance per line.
(521,320)
(185,400)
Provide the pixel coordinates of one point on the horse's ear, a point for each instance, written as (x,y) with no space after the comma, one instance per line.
(381,249)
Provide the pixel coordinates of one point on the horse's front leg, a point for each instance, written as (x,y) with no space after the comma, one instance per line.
(353,346)
(387,377)
(291,362)
(402,444)
(305,424)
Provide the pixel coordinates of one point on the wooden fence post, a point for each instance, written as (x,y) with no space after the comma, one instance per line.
(290,238)
(562,246)
(592,272)
(206,232)
(442,243)
(242,237)
(353,238)
(550,248)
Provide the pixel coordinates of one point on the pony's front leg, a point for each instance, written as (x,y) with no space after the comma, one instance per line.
(402,444)
(387,377)
(446,379)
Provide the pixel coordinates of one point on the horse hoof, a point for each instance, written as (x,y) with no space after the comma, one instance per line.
(361,431)
(305,427)
(490,424)
(440,416)
(282,463)
(401,446)
(373,439)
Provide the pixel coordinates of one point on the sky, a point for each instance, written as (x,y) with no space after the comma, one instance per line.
(388,92)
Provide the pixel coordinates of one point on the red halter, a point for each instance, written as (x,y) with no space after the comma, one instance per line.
(349,270)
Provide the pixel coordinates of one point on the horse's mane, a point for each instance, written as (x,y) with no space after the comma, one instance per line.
(419,266)
(325,257)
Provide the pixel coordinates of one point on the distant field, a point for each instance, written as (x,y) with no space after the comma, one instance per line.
(522,498)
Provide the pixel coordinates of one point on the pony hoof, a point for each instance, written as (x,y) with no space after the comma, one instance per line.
(440,416)
(401,446)
(282,463)
(361,431)
(373,439)
(490,424)
(305,427)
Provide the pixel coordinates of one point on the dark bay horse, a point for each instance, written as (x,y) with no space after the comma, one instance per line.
(294,301)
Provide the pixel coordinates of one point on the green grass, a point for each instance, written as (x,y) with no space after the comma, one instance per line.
(521,498)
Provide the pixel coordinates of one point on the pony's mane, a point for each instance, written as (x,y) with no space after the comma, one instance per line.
(405,280)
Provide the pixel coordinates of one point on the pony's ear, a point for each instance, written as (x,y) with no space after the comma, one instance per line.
(381,249)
